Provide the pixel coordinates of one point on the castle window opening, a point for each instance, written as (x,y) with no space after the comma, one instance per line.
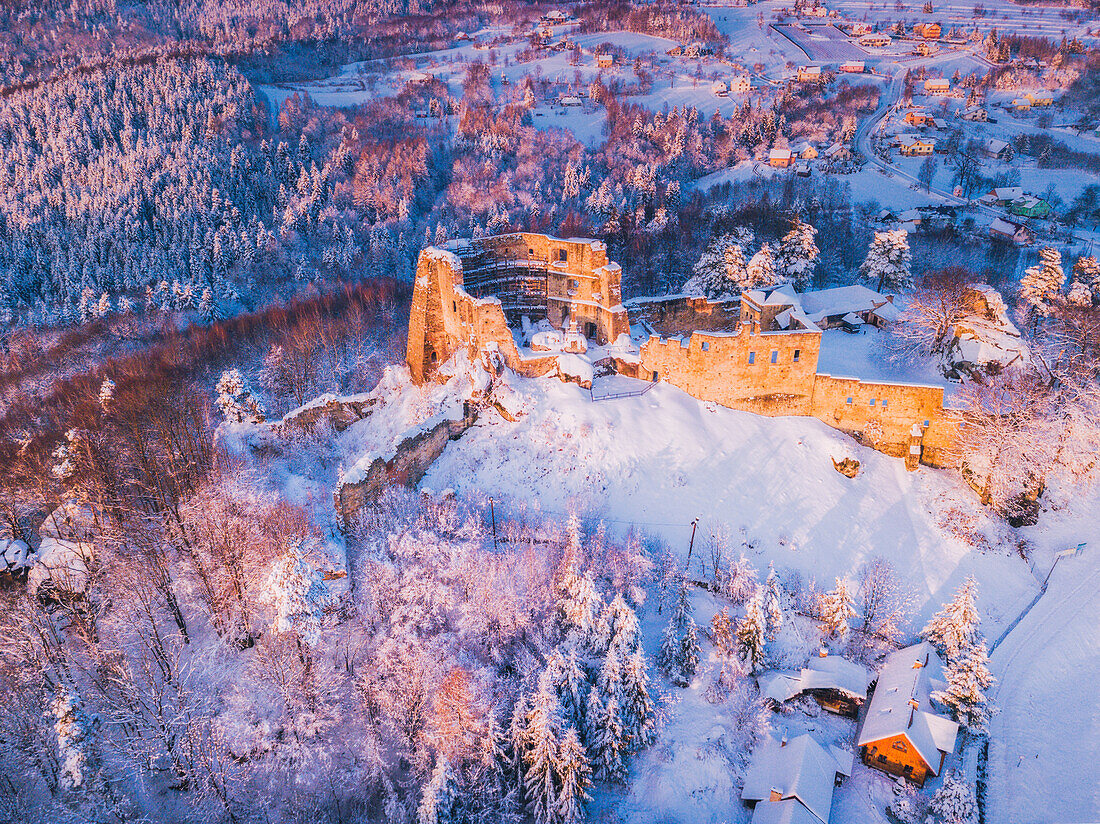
(885,401)
(563,255)
(655,376)
(927,422)
(797,353)
(706,346)
(454,306)
(849,401)
(752,358)
(775,356)
(872,402)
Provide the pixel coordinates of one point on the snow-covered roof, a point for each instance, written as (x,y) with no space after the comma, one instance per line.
(797,769)
(779,686)
(779,154)
(834,672)
(888,312)
(840,301)
(1008,192)
(1004,227)
(901,705)
(782,812)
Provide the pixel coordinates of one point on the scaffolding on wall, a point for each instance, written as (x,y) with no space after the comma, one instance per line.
(503,267)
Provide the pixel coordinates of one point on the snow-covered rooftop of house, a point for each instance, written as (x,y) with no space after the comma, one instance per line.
(1003,226)
(779,686)
(901,704)
(800,769)
(779,154)
(840,301)
(1008,192)
(783,812)
(835,672)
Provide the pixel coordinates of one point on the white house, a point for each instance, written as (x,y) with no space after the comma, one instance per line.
(794,780)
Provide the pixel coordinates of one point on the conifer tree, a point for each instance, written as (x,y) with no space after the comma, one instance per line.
(541,733)
(957,624)
(797,255)
(887,262)
(968,681)
(573,779)
(837,609)
(1042,284)
(954,801)
(761,271)
(720,270)
(750,635)
(639,717)
(773,604)
(606,740)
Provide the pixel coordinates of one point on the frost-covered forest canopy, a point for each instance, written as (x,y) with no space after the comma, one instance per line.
(205,280)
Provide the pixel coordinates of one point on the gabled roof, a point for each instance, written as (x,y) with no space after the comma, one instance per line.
(834,672)
(902,705)
(840,301)
(790,811)
(800,769)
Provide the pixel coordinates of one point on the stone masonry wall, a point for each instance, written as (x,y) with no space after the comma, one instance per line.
(444,317)
(769,373)
(684,315)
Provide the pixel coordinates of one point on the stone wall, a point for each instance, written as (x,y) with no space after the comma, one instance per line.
(584,288)
(407,465)
(716,367)
(683,315)
(769,373)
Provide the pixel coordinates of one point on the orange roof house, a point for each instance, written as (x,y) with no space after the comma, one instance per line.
(902,734)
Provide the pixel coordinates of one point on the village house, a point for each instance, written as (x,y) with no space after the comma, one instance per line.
(853,67)
(804,150)
(1029,206)
(902,734)
(740,84)
(1001,229)
(859,27)
(975,113)
(809,74)
(1020,104)
(1040,98)
(779,158)
(837,684)
(929,31)
(555,16)
(605,61)
(846,307)
(996,149)
(913,146)
(1002,195)
(793,781)
(876,40)
(918,118)
(838,151)
(719,88)
(937,85)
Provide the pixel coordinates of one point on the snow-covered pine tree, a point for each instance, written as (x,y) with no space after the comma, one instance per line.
(573,774)
(639,717)
(235,399)
(437,801)
(888,260)
(797,256)
(954,801)
(722,634)
(837,609)
(106,394)
(606,740)
(968,681)
(1042,284)
(299,595)
(957,624)
(621,624)
(773,604)
(541,734)
(720,270)
(572,685)
(1086,277)
(761,272)
(687,657)
(751,638)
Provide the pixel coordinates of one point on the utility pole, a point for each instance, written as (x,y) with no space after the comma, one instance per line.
(691,544)
(493,516)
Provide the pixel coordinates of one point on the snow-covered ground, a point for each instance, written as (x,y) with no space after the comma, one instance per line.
(659,460)
(863,356)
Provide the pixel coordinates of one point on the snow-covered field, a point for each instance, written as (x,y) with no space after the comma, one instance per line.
(659,460)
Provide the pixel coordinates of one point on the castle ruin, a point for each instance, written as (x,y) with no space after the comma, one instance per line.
(759,354)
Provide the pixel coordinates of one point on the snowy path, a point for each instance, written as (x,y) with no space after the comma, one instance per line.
(1045,741)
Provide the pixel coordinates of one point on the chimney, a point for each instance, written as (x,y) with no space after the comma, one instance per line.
(775,795)
(783,743)
(823,653)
